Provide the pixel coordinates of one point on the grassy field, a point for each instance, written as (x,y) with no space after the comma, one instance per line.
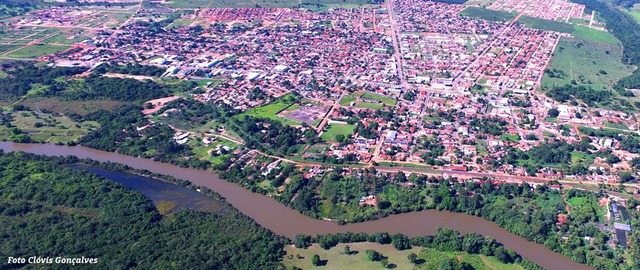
(634,13)
(80,107)
(270,110)
(346,100)
(386,100)
(68,38)
(537,23)
(582,61)
(335,258)
(48,127)
(369,105)
(487,14)
(335,129)
(510,137)
(202,151)
(36,51)
(588,34)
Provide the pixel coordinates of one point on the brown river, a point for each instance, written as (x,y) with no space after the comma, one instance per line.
(287,222)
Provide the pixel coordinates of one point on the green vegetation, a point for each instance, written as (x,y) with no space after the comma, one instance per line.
(537,23)
(585,63)
(369,105)
(386,100)
(633,13)
(54,82)
(119,132)
(89,216)
(346,100)
(487,14)
(38,50)
(337,259)
(337,129)
(356,258)
(626,29)
(446,249)
(593,35)
(510,137)
(271,110)
(42,127)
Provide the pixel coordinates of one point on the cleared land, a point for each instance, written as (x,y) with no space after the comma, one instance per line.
(386,100)
(588,34)
(487,14)
(80,107)
(36,51)
(335,258)
(634,13)
(548,25)
(335,129)
(47,127)
(271,110)
(209,152)
(581,61)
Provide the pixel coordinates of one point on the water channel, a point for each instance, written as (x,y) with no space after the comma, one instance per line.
(287,222)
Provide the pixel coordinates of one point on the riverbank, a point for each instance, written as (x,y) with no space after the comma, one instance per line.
(288,222)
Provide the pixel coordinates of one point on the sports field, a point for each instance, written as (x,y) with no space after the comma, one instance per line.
(335,129)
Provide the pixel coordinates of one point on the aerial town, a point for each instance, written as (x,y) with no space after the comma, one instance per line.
(408,87)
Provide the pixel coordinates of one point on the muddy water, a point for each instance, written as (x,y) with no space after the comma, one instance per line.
(287,222)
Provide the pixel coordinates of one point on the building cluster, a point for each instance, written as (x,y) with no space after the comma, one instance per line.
(463,89)
(554,10)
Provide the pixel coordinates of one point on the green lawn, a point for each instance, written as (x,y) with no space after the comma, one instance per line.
(66,38)
(577,157)
(634,13)
(369,105)
(588,34)
(202,151)
(346,100)
(487,14)
(270,110)
(510,137)
(335,129)
(581,60)
(551,119)
(386,100)
(335,258)
(537,23)
(36,51)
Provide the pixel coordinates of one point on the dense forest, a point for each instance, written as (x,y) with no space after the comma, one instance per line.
(48,209)
(56,82)
(132,69)
(22,79)
(271,136)
(125,130)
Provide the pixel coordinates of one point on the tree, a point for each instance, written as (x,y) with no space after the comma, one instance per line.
(340,138)
(412,257)
(315,260)
(347,250)
(553,112)
(373,255)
